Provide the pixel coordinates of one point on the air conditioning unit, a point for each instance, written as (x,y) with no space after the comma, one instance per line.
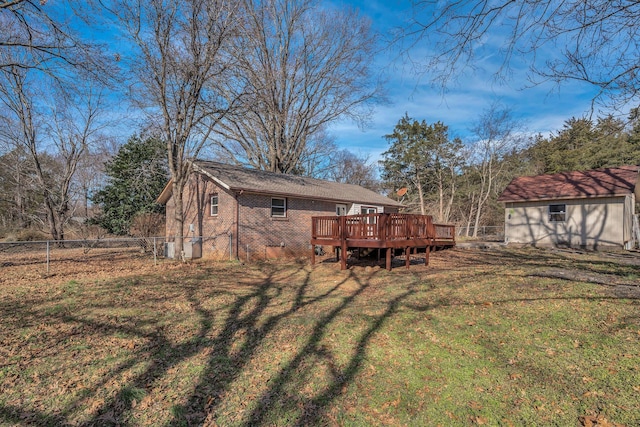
(192,249)
(169,250)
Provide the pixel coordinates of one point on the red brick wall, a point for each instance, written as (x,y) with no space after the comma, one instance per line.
(258,231)
(214,230)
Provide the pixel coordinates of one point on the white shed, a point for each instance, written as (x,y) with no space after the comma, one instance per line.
(588,209)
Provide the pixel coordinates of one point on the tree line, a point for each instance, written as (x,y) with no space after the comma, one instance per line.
(250,82)
(259,82)
(460,182)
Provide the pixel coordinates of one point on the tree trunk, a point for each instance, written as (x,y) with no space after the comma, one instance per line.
(477,219)
(470,216)
(51,219)
(452,192)
(440,201)
(178,196)
(420,194)
(485,191)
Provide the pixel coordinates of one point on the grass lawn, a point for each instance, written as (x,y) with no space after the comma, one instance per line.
(494,337)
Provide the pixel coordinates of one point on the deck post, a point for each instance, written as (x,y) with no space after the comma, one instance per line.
(343,255)
(343,243)
(426,255)
(407,256)
(313,254)
(388,259)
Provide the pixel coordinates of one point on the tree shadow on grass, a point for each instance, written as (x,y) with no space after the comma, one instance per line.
(159,350)
(230,336)
(276,399)
(224,363)
(314,407)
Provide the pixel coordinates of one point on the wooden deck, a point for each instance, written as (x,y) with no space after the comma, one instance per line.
(381,231)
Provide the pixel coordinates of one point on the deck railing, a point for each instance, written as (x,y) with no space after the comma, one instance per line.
(445,231)
(379,227)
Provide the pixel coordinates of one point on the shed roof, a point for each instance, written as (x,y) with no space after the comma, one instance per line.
(236,178)
(573,185)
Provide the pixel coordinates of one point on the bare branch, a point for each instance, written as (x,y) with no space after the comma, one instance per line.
(180,68)
(300,67)
(594,42)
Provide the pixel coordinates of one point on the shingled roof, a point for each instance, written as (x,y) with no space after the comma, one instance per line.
(236,178)
(573,185)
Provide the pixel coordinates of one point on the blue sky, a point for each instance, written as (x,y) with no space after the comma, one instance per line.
(542,109)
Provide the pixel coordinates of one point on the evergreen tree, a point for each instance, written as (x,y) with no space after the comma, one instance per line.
(423,158)
(631,154)
(136,176)
(571,148)
(583,145)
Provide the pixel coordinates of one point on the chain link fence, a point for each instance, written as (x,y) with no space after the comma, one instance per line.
(485,232)
(45,255)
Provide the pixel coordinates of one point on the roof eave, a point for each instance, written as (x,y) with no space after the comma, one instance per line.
(325,199)
(221,183)
(165,195)
(549,199)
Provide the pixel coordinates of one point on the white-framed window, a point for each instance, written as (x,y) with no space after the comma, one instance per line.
(341,209)
(214,204)
(370,220)
(278,207)
(557,213)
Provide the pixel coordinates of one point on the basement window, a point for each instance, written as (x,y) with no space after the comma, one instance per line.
(557,213)
(214,204)
(278,207)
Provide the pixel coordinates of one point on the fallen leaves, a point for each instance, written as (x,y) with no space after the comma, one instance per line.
(597,421)
(468,346)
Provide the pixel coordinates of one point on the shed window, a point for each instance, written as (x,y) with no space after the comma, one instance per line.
(214,204)
(278,207)
(557,213)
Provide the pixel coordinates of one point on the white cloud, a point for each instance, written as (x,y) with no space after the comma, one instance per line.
(544,107)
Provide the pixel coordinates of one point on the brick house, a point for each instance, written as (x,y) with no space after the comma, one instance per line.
(589,209)
(245,213)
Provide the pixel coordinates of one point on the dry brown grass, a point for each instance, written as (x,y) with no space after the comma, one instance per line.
(477,337)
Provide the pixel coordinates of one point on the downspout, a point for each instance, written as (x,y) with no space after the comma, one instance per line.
(237,225)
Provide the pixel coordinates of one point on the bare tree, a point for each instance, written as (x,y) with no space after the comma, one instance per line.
(592,41)
(179,66)
(40,35)
(73,130)
(496,133)
(351,168)
(317,159)
(18,193)
(56,135)
(301,67)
